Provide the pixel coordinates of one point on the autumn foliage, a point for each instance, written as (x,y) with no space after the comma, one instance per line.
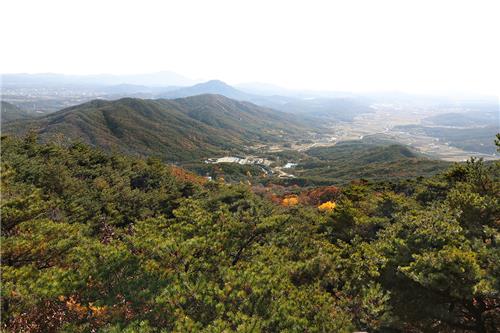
(327,206)
(290,201)
(184,175)
(316,196)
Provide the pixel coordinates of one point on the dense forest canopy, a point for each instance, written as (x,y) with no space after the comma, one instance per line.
(93,241)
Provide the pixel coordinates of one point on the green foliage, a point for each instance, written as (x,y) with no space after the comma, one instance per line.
(104,242)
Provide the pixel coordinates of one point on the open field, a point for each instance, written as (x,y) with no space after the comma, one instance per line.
(385,122)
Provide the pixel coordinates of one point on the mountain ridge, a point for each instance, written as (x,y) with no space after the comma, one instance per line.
(178,129)
(339,108)
(10,112)
(217,87)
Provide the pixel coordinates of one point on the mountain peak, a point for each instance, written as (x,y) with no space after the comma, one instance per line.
(209,87)
(215,84)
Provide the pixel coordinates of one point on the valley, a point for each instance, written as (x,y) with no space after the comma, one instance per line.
(414,121)
(217,130)
(388,121)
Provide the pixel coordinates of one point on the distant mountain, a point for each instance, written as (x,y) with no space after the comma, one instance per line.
(10,112)
(344,109)
(473,139)
(332,108)
(265,89)
(164,78)
(209,87)
(464,119)
(176,130)
(131,90)
(51,92)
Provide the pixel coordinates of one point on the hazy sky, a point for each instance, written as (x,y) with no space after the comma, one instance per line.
(417,46)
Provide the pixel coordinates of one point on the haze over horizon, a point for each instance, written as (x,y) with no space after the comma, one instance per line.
(419,47)
(250,166)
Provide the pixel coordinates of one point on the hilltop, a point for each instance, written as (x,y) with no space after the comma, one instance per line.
(370,159)
(210,87)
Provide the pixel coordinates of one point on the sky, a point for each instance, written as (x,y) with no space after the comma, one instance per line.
(351,45)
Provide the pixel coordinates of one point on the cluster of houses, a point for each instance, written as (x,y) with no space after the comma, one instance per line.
(240,160)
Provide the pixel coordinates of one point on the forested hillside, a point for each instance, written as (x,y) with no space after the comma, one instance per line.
(11,112)
(361,159)
(93,241)
(174,130)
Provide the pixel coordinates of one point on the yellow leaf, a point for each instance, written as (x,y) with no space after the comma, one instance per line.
(327,206)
